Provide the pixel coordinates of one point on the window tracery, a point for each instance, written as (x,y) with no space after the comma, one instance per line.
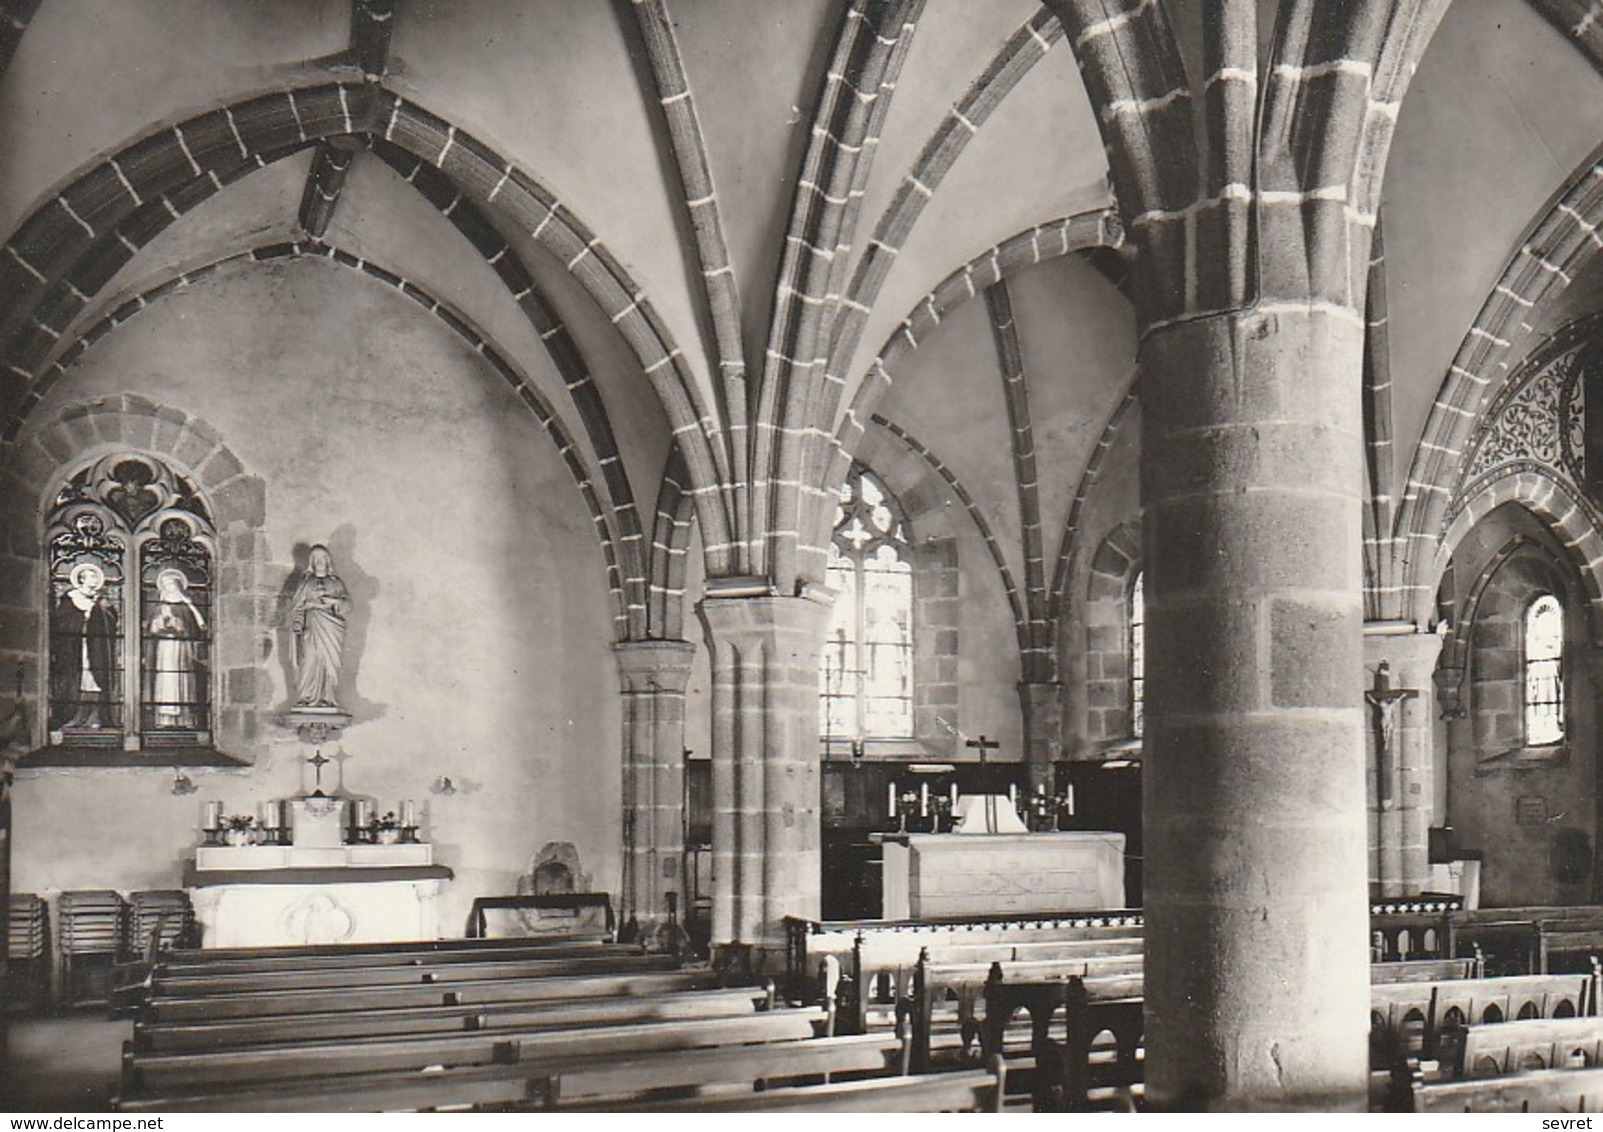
(866,671)
(131,548)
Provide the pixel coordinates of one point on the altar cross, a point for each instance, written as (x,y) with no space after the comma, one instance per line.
(982,744)
(318,762)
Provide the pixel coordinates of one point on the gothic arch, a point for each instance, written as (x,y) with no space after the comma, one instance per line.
(1083,232)
(71,244)
(1113,571)
(1563,512)
(238,499)
(628,615)
(1559,245)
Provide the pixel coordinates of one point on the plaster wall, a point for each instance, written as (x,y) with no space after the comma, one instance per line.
(1038,158)
(753,73)
(479,641)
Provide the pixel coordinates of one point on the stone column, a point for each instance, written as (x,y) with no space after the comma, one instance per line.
(765,764)
(1257,986)
(653,675)
(1401,808)
(1042,702)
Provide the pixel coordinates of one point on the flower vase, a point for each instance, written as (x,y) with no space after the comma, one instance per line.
(388,836)
(236,837)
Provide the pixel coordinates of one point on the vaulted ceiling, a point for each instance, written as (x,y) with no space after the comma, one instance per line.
(640,214)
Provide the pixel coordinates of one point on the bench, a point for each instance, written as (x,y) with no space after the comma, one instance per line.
(1528,938)
(1097,1011)
(1426,970)
(966,985)
(809,941)
(1424,1021)
(1542,1090)
(417,972)
(1499,1049)
(147,1074)
(575,1013)
(882,967)
(964,1091)
(591,1083)
(538,988)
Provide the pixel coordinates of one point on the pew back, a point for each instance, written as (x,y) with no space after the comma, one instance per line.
(590,1083)
(1543,1090)
(166,1072)
(1504,1048)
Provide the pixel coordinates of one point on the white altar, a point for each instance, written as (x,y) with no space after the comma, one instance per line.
(931,875)
(316,890)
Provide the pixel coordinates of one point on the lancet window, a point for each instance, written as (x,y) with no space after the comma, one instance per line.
(866,671)
(1138,655)
(1544,671)
(131,548)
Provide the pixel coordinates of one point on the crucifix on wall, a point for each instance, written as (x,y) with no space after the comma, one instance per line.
(1385,701)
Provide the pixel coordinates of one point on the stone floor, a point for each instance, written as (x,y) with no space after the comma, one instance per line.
(61,1064)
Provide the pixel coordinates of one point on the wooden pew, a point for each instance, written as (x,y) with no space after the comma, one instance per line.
(574,1013)
(1426,970)
(1500,1049)
(964,1091)
(269,1004)
(966,985)
(1528,938)
(588,1083)
(1105,1009)
(162,1073)
(1542,1090)
(1424,1021)
(809,941)
(324,956)
(882,967)
(599,961)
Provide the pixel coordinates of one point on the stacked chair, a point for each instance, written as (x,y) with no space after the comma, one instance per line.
(90,931)
(159,921)
(28,951)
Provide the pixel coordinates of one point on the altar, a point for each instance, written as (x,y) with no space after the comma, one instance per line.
(934,875)
(318,889)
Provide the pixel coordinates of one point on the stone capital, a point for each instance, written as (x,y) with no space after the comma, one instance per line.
(654,666)
(732,618)
(1411,654)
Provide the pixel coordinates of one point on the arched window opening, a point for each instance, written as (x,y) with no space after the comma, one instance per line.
(866,672)
(1138,655)
(1544,671)
(131,553)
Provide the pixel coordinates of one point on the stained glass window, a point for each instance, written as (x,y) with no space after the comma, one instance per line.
(130,587)
(1138,655)
(1544,674)
(865,676)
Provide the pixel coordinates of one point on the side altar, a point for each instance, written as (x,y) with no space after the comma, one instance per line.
(991,863)
(316,880)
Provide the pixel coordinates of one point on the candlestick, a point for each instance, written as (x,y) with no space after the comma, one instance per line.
(954,795)
(890,798)
(1013,793)
(408,813)
(923,799)
(1068,799)
(214,815)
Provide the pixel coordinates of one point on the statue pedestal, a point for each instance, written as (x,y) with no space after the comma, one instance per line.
(316,724)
